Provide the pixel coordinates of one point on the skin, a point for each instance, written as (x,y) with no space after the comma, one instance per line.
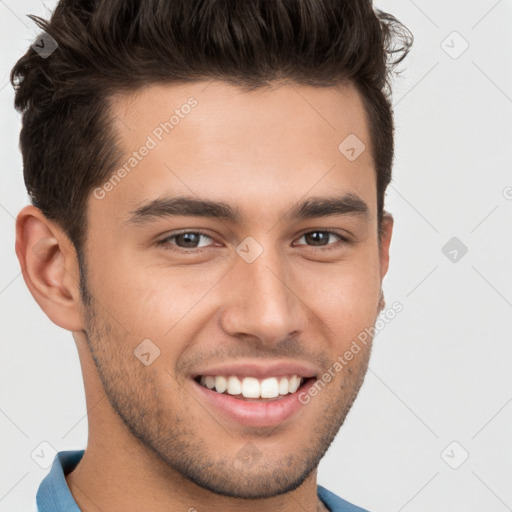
(152,444)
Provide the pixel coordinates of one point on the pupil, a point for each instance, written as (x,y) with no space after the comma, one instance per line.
(187,237)
(317,238)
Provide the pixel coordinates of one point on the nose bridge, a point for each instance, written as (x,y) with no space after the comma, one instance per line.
(261,298)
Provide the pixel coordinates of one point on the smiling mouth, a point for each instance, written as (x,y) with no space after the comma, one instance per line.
(252,388)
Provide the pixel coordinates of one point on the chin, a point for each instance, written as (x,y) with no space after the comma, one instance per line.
(268,481)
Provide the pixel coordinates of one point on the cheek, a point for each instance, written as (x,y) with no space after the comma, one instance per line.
(123,288)
(346,298)
(155,302)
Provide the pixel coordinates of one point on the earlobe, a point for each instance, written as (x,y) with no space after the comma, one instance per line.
(50,267)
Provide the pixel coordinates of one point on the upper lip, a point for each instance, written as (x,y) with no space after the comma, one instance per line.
(259,369)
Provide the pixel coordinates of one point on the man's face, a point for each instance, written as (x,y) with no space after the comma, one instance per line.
(265,297)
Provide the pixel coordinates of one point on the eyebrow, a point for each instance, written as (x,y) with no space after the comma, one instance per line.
(313,207)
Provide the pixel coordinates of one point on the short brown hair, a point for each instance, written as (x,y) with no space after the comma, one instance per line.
(67,140)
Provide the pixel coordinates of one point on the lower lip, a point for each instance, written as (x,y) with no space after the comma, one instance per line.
(252,413)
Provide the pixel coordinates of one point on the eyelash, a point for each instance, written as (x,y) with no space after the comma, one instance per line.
(165,241)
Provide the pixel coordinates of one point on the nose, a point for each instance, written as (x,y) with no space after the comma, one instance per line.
(260,300)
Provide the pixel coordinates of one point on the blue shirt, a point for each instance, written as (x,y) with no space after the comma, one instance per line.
(54,495)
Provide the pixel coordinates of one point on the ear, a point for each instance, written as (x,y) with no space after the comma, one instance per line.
(385,241)
(50,267)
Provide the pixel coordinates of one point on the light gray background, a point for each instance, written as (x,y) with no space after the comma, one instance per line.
(439,372)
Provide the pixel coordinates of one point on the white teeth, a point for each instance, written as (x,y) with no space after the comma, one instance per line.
(221,384)
(294,384)
(283,386)
(209,382)
(234,386)
(251,387)
(269,388)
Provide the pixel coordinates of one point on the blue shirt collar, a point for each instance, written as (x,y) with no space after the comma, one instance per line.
(54,495)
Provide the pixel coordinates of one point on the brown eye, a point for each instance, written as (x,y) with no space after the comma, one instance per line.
(321,238)
(185,240)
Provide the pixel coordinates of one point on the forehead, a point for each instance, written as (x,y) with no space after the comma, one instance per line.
(224,112)
(213,140)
